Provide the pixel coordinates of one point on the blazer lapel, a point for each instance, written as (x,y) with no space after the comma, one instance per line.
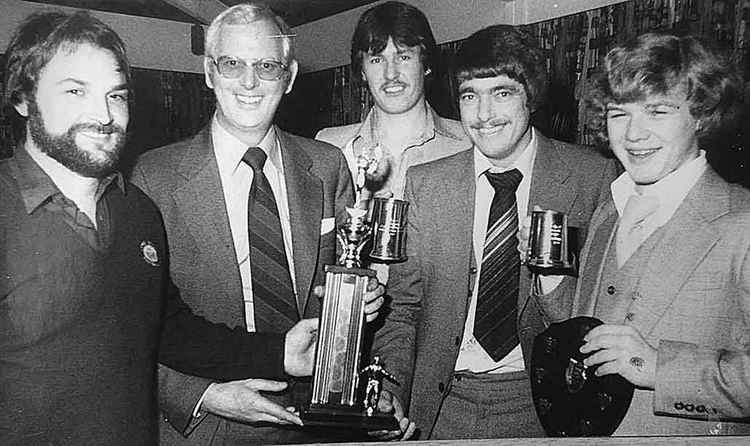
(305,198)
(551,172)
(200,201)
(674,260)
(547,190)
(464,196)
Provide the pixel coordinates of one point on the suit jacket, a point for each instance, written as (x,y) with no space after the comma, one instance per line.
(431,291)
(691,300)
(183,180)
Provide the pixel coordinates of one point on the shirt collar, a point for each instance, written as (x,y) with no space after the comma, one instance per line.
(670,190)
(36,187)
(524,163)
(368,131)
(229,150)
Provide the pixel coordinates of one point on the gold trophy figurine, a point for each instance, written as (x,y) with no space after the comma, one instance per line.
(337,397)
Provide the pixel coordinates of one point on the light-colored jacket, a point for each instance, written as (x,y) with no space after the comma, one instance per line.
(442,137)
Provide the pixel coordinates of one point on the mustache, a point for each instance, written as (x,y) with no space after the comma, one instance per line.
(105,129)
(485,124)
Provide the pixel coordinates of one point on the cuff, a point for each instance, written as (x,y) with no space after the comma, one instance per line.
(197,414)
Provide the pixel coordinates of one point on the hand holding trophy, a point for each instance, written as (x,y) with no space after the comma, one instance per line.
(570,400)
(338,399)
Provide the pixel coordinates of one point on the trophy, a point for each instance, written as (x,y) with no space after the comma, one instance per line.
(340,397)
(548,250)
(570,400)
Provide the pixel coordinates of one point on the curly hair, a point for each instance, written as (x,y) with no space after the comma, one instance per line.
(504,50)
(41,35)
(660,64)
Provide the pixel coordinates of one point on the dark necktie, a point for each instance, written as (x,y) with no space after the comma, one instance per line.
(274,303)
(495,320)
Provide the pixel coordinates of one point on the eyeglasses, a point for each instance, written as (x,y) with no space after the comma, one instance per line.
(233,68)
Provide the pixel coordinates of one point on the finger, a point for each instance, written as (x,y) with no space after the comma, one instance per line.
(272,419)
(606,340)
(385,435)
(266,407)
(372,283)
(410,430)
(309,325)
(398,409)
(319,291)
(266,385)
(385,404)
(371,308)
(375,293)
(608,329)
(600,357)
(608,368)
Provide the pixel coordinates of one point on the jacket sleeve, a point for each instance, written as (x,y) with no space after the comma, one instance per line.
(194,345)
(706,383)
(178,396)
(395,342)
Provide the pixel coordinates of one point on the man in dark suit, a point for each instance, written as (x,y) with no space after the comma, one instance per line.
(250,213)
(459,334)
(84,264)
(666,266)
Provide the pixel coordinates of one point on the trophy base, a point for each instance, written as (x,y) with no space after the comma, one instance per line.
(346,417)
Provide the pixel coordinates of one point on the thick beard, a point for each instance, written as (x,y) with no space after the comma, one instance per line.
(63,148)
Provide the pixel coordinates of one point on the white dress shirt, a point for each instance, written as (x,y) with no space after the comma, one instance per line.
(236,179)
(670,191)
(472,356)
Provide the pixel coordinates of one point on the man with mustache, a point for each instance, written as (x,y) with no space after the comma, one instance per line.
(84,264)
(394,51)
(461,326)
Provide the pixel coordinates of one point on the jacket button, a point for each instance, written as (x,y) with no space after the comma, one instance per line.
(441,387)
(611,289)
(473,270)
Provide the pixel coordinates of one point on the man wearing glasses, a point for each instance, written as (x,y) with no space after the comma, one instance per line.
(250,213)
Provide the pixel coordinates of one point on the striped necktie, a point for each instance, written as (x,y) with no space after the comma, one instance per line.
(274,303)
(495,320)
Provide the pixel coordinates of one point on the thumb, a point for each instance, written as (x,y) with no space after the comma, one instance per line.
(309,324)
(319,291)
(266,385)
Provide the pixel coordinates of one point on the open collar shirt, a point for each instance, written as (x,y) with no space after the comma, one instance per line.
(40,194)
(434,141)
(670,191)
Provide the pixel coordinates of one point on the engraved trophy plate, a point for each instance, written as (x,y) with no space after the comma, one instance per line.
(548,250)
(339,397)
(570,400)
(389,229)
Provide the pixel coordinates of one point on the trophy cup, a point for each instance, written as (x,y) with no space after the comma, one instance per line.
(338,399)
(548,251)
